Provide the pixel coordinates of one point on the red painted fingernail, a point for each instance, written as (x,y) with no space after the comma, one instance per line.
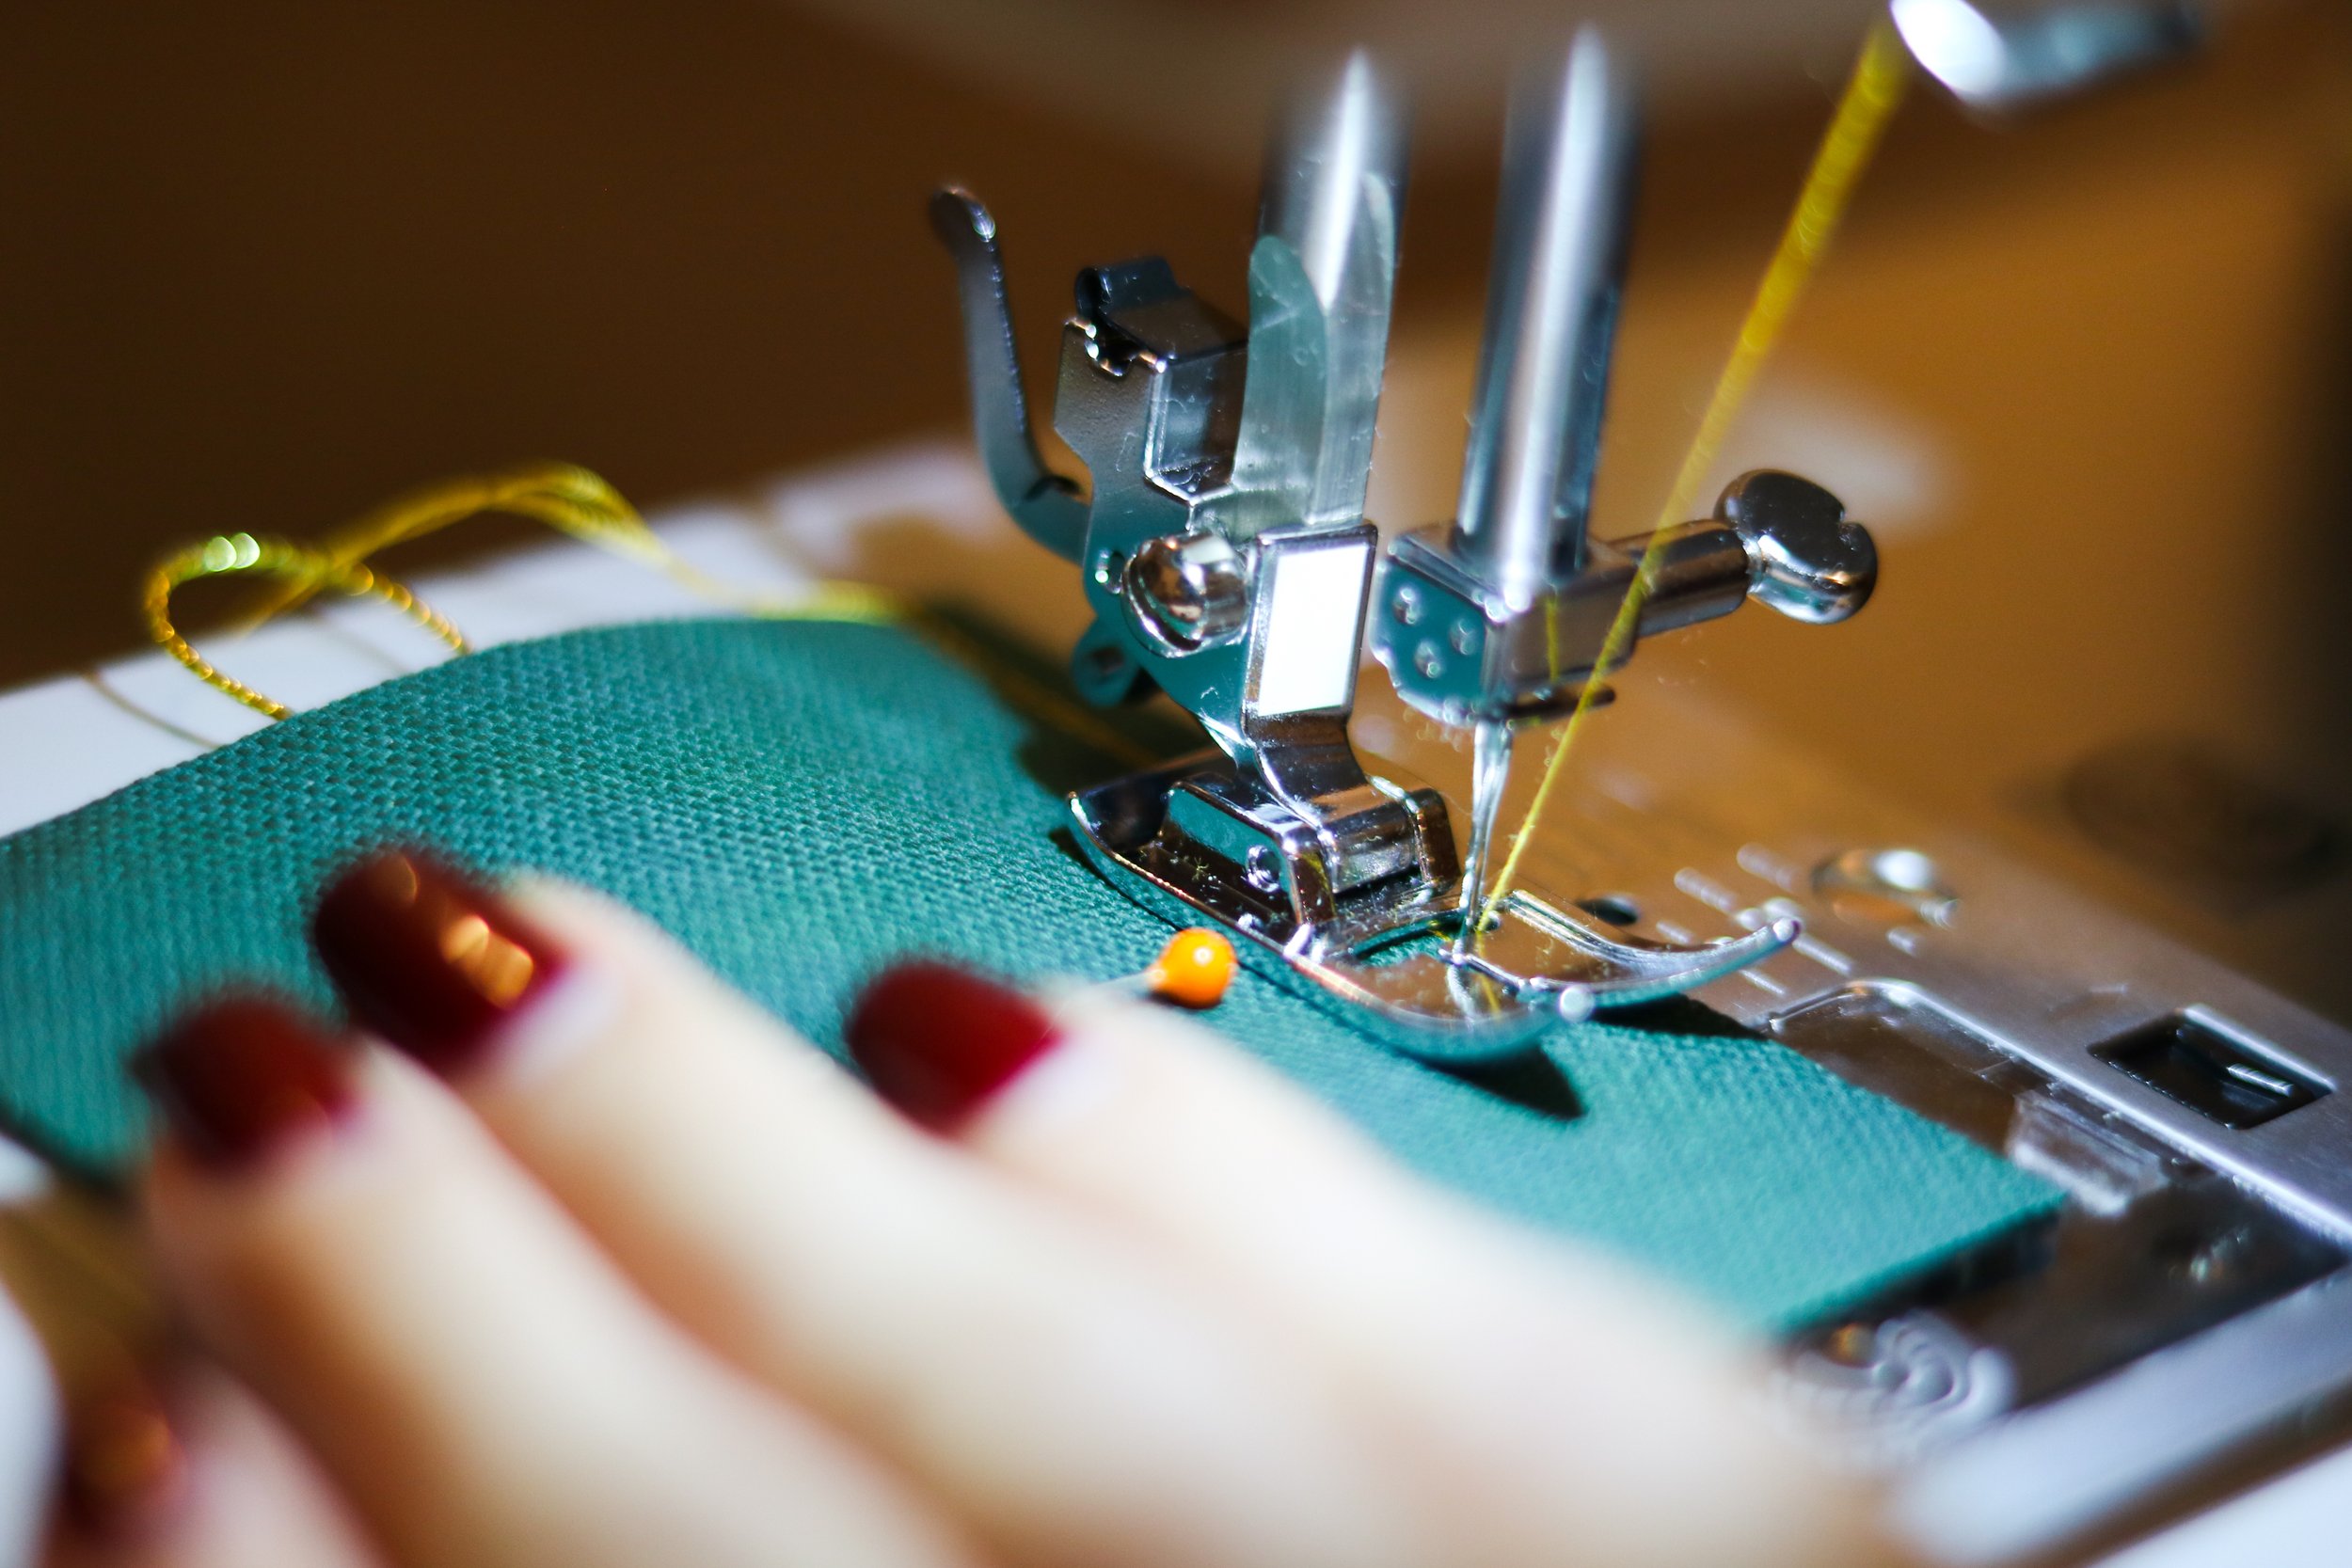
(428,958)
(239,1076)
(938,1041)
(125,1468)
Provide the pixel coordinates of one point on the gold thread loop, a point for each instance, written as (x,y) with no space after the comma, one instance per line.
(583,505)
(309,570)
(566,497)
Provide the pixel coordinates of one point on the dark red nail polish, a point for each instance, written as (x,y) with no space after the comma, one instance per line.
(937,1041)
(239,1076)
(427,957)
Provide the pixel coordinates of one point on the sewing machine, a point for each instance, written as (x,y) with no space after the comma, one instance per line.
(1227,560)
(2194,1295)
(2183,1325)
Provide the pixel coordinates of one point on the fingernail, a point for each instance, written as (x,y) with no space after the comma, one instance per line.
(239,1077)
(124,1466)
(938,1042)
(429,958)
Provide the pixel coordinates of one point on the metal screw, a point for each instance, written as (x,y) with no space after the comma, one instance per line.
(1430,662)
(1464,637)
(1406,606)
(1259,872)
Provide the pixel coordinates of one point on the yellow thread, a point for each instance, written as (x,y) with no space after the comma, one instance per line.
(566,497)
(582,506)
(313,570)
(1871,97)
(577,502)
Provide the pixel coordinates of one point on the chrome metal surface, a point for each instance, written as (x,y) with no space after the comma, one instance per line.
(1507,608)
(1044,504)
(1321,280)
(1903,879)
(2189,1297)
(1491,771)
(1227,560)
(1190,591)
(2003,55)
(2042,974)
(1563,229)
(1457,649)
(1805,559)
(1508,613)
(2151,1246)
(1560,235)
(1192,841)
(1906,1383)
(2190,1293)
(2042,1476)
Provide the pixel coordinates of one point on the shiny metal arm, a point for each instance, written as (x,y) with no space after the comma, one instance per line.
(1776,538)
(1322,278)
(1046,505)
(1551,319)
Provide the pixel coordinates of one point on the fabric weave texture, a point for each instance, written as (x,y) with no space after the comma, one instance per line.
(799,804)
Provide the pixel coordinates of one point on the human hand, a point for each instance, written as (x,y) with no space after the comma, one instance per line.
(578,1259)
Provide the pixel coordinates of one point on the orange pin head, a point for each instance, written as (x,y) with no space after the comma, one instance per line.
(1193,970)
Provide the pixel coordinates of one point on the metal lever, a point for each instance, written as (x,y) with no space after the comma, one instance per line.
(1805,559)
(1045,504)
(1459,651)
(1780,539)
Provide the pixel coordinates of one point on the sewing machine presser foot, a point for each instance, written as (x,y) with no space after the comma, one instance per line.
(1196,841)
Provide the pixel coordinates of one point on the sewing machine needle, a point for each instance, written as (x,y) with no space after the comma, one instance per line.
(1491,771)
(1527,478)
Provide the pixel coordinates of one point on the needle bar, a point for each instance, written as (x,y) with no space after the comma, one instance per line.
(1871,95)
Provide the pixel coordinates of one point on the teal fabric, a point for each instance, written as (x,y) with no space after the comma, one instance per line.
(801,802)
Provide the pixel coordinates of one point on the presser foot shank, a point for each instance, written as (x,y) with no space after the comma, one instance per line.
(1198,841)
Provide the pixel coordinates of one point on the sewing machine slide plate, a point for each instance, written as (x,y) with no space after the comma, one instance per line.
(2167,1314)
(2190,1299)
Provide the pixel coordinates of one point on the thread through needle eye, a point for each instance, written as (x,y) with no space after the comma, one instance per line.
(1871,95)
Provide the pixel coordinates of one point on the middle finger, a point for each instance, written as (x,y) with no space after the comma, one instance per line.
(1071,1399)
